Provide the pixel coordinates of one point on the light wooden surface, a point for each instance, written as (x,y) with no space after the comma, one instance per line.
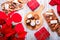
(38,12)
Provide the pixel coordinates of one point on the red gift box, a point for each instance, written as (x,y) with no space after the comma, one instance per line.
(33,4)
(42,34)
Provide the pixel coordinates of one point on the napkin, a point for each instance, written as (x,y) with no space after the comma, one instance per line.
(33,4)
(42,34)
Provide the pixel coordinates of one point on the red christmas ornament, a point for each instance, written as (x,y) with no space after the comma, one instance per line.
(33,4)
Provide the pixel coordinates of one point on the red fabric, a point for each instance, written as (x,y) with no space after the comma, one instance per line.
(16,17)
(20,32)
(42,34)
(19,27)
(33,4)
(2,21)
(6,27)
(56,2)
(3,38)
(20,37)
(52,2)
(13,38)
(9,21)
(11,13)
(3,15)
(7,30)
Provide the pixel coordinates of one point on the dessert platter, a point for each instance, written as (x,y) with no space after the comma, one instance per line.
(52,21)
(33,20)
(11,5)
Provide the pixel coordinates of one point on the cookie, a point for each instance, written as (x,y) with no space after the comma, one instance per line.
(8,6)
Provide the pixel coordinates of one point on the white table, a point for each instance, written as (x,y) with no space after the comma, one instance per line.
(30,34)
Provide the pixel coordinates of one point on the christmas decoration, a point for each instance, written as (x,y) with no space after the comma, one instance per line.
(56,2)
(8,30)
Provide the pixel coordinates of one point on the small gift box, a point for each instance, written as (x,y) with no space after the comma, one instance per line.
(42,34)
(33,4)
